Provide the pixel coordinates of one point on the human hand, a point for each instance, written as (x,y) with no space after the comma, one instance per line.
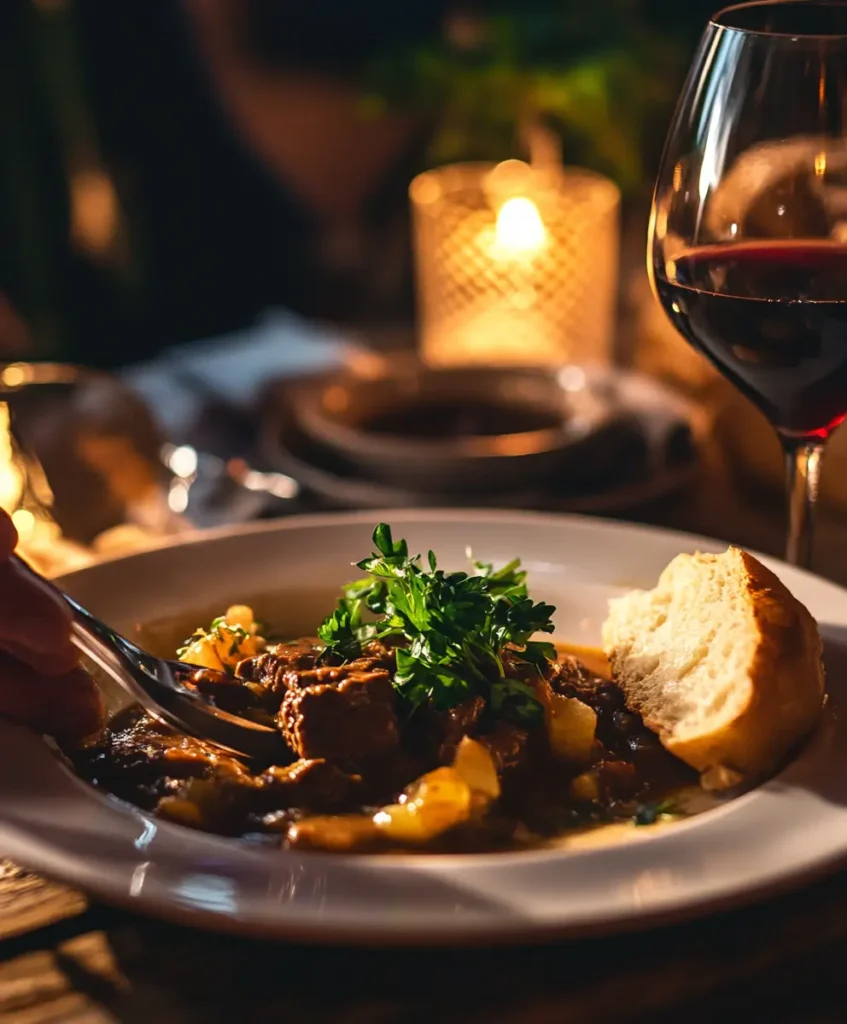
(41,682)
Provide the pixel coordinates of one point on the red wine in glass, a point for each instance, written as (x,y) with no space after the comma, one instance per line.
(747,249)
(772,317)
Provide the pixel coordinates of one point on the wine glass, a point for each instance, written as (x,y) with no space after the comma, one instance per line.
(747,249)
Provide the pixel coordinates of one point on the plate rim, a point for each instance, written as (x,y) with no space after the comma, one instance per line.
(437,513)
(526,932)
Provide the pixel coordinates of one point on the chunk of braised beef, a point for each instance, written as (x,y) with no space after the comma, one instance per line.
(615,724)
(386,775)
(617,781)
(270,668)
(634,751)
(340,713)
(334,674)
(625,734)
(508,744)
(383,652)
(439,733)
(606,698)
(572,678)
(142,760)
(314,785)
(227,693)
(515,667)
(212,804)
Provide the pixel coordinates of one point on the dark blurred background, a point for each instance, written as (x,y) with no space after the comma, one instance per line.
(170,169)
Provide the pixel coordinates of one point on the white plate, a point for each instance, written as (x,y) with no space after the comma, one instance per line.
(781,833)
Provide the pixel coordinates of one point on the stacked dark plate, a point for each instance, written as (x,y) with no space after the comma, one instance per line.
(577,438)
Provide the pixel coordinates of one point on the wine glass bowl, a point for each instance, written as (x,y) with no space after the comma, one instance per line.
(747,249)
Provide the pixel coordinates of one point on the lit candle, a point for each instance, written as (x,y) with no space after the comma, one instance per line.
(519,231)
(514,266)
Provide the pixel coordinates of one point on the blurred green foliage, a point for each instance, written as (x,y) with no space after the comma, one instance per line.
(594,70)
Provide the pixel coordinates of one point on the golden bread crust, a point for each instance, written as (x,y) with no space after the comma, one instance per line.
(784,688)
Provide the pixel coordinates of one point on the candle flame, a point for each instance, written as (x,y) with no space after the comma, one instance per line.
(519,226)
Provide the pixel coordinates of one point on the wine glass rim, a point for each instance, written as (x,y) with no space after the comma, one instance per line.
(718,19)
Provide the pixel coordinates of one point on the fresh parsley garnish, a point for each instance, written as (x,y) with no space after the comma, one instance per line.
(236,635)
(198,634)
(454,627)
(341,631)
(649,814)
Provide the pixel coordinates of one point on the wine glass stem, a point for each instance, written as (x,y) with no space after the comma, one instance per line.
(802,463)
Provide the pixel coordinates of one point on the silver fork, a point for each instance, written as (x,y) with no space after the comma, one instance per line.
(159,686)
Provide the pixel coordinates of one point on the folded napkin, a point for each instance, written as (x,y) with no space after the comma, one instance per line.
(651,409)
(233,368)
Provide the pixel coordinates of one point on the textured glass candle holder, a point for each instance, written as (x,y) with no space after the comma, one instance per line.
(515,265)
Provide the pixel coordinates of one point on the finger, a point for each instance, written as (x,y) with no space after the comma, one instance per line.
(68,706)
(34,623)
(8,536)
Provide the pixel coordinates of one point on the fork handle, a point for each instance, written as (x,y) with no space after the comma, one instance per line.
(156,685)
(89,635)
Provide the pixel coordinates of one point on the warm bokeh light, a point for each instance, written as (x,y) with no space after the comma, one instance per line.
(14,375)
(94,211)
(11,483)
(520,229)
(24,522)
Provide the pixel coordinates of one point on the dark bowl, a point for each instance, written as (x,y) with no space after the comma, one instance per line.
(457,429)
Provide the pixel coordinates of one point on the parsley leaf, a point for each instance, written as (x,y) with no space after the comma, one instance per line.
(649,814)
(198,634)
(515,699)
(455,627)
(339,631)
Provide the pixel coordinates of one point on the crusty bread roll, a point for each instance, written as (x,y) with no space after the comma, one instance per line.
(722,662)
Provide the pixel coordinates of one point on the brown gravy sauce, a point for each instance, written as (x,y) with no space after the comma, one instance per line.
(164,635)
(691,800)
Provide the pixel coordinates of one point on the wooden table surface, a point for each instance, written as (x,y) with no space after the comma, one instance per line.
(64,958)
